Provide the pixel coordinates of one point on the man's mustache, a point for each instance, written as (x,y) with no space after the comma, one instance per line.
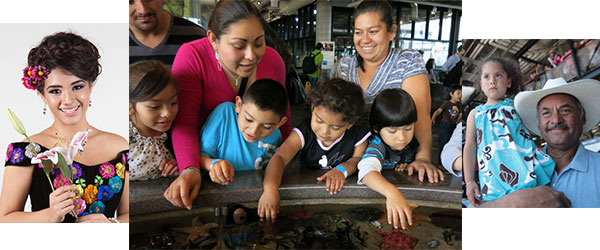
(145,15)
(559,126)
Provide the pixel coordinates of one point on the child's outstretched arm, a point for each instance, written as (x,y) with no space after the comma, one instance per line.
(268,205)
(469,160)
(398,210)
(435,114)
(220,171)
(335,178)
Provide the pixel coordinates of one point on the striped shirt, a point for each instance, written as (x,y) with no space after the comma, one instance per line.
(397,66)
(180,32)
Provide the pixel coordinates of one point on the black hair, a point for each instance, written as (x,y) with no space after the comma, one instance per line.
(147,79)
(69,52)
(392,108)
(267,95)
(455,87)
(384,9)
(430,63)
(512,70)
(227,12)
(319,46)
(460,48)
(339,96)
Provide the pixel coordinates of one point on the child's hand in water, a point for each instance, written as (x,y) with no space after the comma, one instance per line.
(472,190)
(335,180)
(399,213)
(221,172)
(268,205)
(168,167)
(433,174)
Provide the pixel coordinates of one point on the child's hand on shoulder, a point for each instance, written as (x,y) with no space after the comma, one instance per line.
(335,180)
(434,175)
(222,172)
(168,167)
(472,189)
(399,213)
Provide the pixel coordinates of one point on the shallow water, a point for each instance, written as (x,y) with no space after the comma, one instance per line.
(309,227)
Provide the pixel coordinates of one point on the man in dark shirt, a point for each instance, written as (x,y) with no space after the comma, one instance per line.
(155,34)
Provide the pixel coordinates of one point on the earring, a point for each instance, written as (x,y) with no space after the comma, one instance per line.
(44,110)
(90,103)
(218,61)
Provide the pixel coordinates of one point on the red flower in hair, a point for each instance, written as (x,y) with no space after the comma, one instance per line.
(32,76)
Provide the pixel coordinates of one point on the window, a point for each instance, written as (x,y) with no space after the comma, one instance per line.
(405,23)
(434,26)
(446,25)
(420,24)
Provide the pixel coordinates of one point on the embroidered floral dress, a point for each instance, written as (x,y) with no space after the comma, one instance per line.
(507,157)
(99,187)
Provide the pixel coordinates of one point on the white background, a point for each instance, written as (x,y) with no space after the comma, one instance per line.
(482,228)
(109,95)
(530,228)
(104,23)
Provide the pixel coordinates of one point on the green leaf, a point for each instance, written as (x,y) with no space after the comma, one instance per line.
(64,167)
(47,166)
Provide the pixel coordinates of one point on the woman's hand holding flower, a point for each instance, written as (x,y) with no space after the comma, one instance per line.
(61,203)
(93,218)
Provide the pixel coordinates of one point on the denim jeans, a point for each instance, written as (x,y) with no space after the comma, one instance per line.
(313,81)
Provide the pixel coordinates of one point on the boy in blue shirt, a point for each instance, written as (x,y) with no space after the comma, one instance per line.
(244,135)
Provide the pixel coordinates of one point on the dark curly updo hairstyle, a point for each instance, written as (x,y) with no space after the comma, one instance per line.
(227,12)
(339,96)
(69,52)
(392,108)
(511,67)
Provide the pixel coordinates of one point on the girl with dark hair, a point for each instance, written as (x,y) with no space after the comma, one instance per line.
(429,67)
(214,70)
(329,140)
(498,148)
(393,146)
(152,109)
(377,66)
(63,69)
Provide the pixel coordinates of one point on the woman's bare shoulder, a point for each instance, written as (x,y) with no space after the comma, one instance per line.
(110,140)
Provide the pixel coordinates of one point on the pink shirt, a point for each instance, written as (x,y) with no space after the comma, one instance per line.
(202,87)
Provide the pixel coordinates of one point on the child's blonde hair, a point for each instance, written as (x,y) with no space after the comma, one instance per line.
(512,70)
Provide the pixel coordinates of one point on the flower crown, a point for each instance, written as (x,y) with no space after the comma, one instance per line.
(32,76)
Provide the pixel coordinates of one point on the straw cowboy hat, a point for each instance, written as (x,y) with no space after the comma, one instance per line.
(586,91)
(466,93)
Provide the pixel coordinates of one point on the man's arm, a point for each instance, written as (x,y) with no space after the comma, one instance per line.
(541,196)
(452,152)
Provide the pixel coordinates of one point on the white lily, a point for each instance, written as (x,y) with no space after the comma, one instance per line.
(16,123)
(51,154)
(77,144)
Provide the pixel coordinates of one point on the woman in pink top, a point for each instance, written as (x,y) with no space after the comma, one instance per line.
(214,70)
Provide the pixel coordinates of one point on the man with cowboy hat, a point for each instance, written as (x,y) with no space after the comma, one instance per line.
(560,113)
